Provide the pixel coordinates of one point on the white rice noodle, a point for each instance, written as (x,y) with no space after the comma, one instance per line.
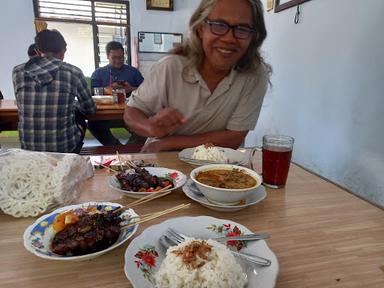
(32,182)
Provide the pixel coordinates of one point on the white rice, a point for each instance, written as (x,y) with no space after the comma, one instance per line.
(209,153)
(220,270)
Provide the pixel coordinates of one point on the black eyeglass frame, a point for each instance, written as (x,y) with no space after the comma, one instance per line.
(229,27)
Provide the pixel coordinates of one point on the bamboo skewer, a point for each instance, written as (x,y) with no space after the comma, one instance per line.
(163,189)
(160,213)
(145,199)
(118,158)
(106,167)
(156,215)
(132,164)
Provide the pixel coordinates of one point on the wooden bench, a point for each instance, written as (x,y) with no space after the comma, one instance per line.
(111,150)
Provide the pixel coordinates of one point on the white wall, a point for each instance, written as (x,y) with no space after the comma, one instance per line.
(79,40)
(17,32)
(328,91)
(159,21)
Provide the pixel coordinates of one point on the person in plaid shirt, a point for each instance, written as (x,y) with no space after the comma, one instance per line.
(50,119)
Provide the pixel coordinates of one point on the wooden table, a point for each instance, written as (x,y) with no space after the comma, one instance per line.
(9,113)
(322,235)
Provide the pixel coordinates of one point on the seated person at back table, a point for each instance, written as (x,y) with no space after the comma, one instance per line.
(46,87)
(115,75)
(212,88)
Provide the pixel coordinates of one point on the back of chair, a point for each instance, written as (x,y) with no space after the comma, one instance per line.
(1,95)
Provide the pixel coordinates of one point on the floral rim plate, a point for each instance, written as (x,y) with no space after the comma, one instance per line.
(255,197)
(39,235)
(234,157)
(178,178)
(144,254)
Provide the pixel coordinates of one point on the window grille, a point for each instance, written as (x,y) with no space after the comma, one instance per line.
(109,20)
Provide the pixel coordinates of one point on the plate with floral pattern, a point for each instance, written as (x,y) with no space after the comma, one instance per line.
(145,254)
(178,178)
(38,236)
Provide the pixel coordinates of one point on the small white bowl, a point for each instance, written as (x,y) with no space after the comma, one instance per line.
(222,195)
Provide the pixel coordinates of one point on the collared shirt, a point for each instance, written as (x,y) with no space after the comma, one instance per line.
(234,105)
(46,89)
(105,76)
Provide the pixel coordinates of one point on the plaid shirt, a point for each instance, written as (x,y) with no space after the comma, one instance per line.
(46,89)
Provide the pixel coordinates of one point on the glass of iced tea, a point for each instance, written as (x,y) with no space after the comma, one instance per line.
(120,94)
(277,152)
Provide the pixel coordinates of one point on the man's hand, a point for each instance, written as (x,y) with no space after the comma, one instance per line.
(153,147)
(165,122)
(123,85)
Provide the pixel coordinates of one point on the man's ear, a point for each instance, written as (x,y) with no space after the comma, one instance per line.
(62,53)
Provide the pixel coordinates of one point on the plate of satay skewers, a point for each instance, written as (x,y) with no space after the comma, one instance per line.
(85,231)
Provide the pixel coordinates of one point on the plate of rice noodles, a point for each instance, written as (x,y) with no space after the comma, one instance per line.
(79,232)
(210,154)
(198,261)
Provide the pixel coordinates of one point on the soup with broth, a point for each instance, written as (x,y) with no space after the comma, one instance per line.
(228,179)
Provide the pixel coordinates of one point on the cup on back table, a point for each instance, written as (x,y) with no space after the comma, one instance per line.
(121,96)
(277,152)
(98,91)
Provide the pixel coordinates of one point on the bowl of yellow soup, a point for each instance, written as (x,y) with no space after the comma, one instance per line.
(225,183)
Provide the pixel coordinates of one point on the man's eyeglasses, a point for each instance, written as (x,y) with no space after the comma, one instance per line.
(221,28)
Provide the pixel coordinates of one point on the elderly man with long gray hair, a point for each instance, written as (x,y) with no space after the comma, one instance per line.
(209,90)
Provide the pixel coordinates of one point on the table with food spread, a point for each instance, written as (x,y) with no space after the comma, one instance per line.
(319,234)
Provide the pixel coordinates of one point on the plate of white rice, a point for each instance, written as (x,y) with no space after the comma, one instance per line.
(149,265)
(203,154)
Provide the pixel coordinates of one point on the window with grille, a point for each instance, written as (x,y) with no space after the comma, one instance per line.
(87,26)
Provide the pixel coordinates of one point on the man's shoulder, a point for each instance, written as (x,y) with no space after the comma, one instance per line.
(172,59)
(130,68)
(100,70)
(172,62)
(104,68)
(19,68)
(72,68)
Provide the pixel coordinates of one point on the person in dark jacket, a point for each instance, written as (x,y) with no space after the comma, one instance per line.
(46,89)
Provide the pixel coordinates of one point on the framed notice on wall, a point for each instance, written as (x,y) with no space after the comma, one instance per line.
(281,5)
(160,5)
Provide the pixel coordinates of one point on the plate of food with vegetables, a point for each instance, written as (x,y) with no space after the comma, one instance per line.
(80,232)
(139,182)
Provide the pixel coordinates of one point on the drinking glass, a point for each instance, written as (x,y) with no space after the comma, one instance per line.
(277,152)
(98,91)
(121,96)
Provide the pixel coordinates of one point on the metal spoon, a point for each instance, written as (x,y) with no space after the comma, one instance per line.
(195,190)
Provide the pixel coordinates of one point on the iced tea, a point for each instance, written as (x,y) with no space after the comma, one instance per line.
(277,153)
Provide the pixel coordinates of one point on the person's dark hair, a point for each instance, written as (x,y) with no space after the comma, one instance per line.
(50,41)
(32,50)
(113,45)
